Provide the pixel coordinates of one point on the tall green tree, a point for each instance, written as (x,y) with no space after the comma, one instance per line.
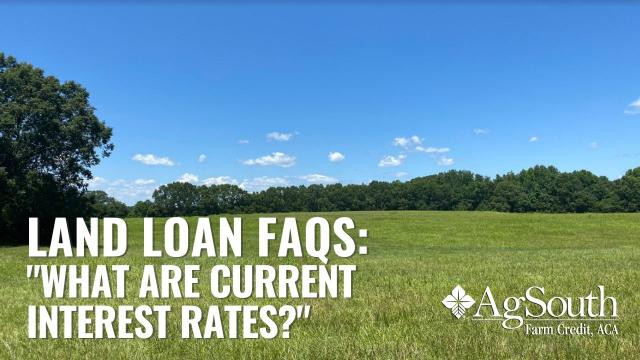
(178,199)
(102,205)
(628,188)
(50,138)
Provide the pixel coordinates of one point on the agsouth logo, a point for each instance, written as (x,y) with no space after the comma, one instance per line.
(458,301)
(534,308)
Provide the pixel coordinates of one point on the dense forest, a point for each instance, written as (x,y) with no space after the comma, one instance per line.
(537,189)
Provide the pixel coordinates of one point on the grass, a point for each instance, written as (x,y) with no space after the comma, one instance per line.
(414,260)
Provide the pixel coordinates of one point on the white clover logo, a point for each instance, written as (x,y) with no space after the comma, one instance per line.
(458,301)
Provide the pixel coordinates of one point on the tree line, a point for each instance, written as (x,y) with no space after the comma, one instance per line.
(537,189)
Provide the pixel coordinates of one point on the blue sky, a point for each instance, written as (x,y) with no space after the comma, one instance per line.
(399,91)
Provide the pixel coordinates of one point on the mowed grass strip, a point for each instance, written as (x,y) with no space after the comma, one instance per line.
(414,260)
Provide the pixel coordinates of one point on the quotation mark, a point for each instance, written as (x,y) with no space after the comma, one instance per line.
(33,271)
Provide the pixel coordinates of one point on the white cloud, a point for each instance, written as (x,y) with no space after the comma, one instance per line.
(405,142)
(188,178)
(445,161)
(276,158)
(390,160)
(143,181)
(401,174)
(151,159)
(95,181)
(633,108)
(219,180)
(128,191)
(243,141)
(481,131)
(411,143)
(335,156)
(262,183)
(433,150)
(278,136)
(215,180)
(119,182)
(202,158)
(319,179)
(534,139)
(594,145)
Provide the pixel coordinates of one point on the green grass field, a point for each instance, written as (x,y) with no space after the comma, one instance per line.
(414,260)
